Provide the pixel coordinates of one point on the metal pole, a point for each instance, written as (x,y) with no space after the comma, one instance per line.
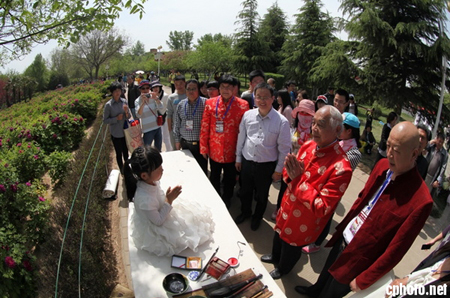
(443,69)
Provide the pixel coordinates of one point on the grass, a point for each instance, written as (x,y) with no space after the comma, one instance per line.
(367,161)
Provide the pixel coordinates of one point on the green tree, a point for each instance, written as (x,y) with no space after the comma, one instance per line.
(175,60)
(39,72)
(274,29)
(96,49)
(225,39)
(62,67)
(211,57)
(399,49)
(180,41)
(138,49)
(250,49)
(306,42)
(26,23)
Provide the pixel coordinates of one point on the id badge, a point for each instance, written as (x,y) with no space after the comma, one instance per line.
(219,126)
(189,124)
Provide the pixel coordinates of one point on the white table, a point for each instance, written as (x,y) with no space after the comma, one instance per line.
(148,270)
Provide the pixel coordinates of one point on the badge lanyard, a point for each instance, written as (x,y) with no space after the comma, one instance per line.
(219,123)
(383,187)
(228,108)
(195,109)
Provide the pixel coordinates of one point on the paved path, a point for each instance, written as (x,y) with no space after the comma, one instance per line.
(309,266)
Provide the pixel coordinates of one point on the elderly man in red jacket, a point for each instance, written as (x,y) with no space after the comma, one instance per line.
(317,179)
(382,223)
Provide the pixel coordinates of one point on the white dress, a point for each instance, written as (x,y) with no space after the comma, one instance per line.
(166,230)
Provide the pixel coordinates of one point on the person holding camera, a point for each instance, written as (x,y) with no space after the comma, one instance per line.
(115,113)
(148,104)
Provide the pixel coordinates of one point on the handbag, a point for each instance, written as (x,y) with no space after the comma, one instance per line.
(133,137)
(163,116)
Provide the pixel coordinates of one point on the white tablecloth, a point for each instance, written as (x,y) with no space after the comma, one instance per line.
(148,270)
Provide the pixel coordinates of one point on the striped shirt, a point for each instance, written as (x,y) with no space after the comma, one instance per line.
(148,117)
(354,157)
(188,111)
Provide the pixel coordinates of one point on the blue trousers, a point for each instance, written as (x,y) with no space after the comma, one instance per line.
(154,135)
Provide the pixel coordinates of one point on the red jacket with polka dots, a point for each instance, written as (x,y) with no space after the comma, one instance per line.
(311,198)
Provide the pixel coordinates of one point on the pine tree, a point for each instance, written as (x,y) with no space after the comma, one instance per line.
(250,49)
(399,50)
(274,29)
(306,42)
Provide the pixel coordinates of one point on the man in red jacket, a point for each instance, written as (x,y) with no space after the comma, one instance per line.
(381,225)
(316,181)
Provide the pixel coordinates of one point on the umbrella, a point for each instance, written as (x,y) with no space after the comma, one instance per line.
(140,72)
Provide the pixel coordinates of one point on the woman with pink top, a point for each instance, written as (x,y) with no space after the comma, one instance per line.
(285,105)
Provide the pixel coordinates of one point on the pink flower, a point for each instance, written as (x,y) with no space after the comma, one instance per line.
(81,119)
(55,135)
(36,157)
(2,188)
(13,187)
(6,165)
(27,265)
(20,151)
(28,146)
(44,126)
(42,199)
(28,183)
(9,261)
(19,144)
(75,119)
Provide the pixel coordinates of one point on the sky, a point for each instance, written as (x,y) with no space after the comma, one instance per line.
(200,16)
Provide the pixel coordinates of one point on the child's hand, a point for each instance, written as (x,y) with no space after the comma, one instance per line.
(172,193)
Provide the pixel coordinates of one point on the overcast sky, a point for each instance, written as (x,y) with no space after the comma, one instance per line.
(199,16)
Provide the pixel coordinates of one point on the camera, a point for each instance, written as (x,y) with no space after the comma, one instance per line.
(148,95)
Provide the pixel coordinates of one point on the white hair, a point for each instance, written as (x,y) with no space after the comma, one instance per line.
(336,119)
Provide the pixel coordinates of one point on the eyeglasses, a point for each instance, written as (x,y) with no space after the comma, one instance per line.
(145,88)
(212,89)
(226,87)
(263,98)
(191,89)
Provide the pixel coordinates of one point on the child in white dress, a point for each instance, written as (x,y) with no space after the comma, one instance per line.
(157,226)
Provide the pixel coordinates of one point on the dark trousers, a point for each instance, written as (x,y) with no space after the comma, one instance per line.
(326,286)
(172,86)
(120,146)
(194,147)
(284,254)
(283,188)
(256,179)
(324,233)
(229,179)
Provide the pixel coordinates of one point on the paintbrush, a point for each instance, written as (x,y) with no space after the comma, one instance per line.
(204,268)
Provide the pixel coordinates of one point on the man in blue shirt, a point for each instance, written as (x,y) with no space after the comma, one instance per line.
(263,143)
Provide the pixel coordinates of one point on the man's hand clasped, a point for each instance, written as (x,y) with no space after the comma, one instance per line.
(294,168)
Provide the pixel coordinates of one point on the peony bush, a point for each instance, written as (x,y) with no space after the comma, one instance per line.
(36,137)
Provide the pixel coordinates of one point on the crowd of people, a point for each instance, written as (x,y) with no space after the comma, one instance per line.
(311,146)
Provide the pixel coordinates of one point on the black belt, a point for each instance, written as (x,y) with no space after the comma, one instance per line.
(195,143)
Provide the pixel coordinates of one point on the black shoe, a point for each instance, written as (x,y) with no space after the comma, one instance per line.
(302,290)
(255,224)
(267,259)
(241,218)
(275,273)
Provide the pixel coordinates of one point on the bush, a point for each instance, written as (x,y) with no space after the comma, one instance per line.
(279,79)
(376,110)
(57,163)
(23,222)
(35,136)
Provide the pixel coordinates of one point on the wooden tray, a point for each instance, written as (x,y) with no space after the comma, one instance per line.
(247,274)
